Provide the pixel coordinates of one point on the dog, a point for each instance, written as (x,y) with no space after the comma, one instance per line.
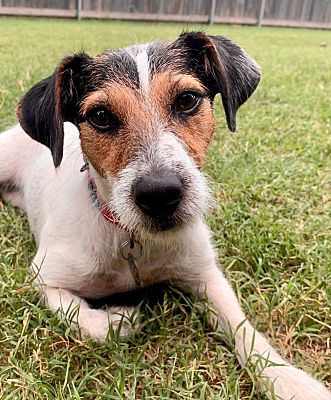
(106,162)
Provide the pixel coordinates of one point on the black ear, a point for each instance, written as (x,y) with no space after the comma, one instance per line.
(224,67)
(45,107)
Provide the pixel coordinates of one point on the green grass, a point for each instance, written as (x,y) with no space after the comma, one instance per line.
(271,224)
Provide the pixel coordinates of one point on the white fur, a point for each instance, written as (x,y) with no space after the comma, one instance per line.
(78,251)
(143,69)
(140,56)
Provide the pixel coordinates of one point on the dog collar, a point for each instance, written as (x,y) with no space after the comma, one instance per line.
(105,211)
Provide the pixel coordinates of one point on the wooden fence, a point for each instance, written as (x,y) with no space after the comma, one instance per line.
(300,13)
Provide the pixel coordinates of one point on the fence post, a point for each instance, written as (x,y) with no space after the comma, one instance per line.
(161,7)
(260,14)
(79,9)
(212,12)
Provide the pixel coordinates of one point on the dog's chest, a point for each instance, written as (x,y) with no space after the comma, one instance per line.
(117,276)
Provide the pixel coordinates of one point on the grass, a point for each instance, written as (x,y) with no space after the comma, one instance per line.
(271,225)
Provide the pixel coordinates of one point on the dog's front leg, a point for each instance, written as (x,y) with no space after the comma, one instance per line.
(92,323)
(275,375)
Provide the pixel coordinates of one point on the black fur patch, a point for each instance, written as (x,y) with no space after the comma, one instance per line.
(9,186)
(152,294)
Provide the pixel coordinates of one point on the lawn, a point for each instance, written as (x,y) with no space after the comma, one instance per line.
(271,225)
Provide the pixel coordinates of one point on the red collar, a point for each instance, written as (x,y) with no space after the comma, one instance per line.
(105,211)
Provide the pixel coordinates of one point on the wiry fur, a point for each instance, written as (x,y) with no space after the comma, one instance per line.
(165,152)
(78,250)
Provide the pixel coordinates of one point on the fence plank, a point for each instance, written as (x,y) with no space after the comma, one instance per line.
(145,16)
(79,9)
(261,13)
(38,12)
(305,13)
(212,11)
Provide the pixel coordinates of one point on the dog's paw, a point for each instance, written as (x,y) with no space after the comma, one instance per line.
(290,383)
(124,320)
(95,324)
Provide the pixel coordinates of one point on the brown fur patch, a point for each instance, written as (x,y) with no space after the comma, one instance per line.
(107,154)
(120,99)
(99,97)
(196,130)
(166,85)
(111,152)
(18,111)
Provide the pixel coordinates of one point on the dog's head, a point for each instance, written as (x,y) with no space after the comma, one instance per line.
(145,116)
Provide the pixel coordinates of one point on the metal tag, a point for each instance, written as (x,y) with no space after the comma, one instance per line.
(131,251)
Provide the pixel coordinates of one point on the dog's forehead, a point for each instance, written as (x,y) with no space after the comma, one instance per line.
(138,64)
(142,59)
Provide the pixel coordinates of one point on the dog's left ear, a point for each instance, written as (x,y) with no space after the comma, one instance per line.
(224,68)
(51,102)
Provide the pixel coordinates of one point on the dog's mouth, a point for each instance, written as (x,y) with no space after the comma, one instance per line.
(162,224)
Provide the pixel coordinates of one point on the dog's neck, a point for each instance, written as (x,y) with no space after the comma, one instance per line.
(98,197)
(131,249)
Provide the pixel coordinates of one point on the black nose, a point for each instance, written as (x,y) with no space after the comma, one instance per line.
(158,195)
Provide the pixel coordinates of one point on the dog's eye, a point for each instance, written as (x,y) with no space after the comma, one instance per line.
(102,119)
(187,102)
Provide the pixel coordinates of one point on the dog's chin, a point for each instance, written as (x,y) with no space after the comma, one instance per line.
(164,229)
(161,224)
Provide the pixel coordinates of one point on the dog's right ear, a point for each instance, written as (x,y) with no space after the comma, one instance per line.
(51,102)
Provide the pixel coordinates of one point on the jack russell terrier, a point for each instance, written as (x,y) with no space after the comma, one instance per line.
(107,163)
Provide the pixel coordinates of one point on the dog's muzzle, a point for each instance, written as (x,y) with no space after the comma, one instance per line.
(158,195)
